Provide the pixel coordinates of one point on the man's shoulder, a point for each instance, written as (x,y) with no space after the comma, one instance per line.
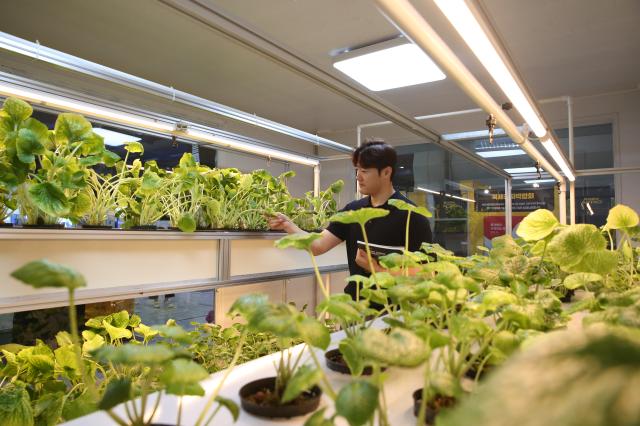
(357,204)
(398,196)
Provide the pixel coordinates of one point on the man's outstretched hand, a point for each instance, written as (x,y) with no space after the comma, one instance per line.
(280,222)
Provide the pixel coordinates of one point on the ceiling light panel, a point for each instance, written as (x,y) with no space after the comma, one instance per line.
(390,68)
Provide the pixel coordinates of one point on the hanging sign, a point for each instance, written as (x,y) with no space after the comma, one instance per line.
(521,200)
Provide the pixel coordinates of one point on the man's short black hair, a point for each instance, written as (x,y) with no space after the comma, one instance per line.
(376,154)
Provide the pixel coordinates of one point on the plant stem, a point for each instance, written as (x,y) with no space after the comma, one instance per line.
(325,291)
(328,388)
(179,412)
(116,418)
(422,414)
(214,395)
(405,271)
(73,320)
(369,258)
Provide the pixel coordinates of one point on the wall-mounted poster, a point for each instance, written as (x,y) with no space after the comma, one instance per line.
(526,200)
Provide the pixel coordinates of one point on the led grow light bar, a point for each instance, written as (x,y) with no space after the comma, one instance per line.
(469,28)
(431,191)
(112,115)
(74,63)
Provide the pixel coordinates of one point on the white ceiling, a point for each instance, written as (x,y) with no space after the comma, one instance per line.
(568,47)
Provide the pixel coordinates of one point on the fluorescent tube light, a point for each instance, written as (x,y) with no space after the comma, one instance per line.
(501,153)
(462,19)
(431,191)
(552,149)
(63,103)
(590,209)
(469,200)
(539,181)
(475,134)
(112,138)
(398,66)
(254,149)
(520,170)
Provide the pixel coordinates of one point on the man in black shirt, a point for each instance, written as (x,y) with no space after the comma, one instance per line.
(375,164)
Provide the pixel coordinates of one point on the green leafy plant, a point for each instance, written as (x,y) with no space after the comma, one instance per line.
(565,378)
(313,212)
(50,167)
(288,325)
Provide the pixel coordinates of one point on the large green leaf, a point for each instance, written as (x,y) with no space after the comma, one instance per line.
(317,419)
(357,402)
(572,378)
(314,332)
(341,306)
(597,262)
(109,158)
(15,406)
(537,225)
(351,356)
(403,205)
(150,182)
(187,223)
(494,299)
(621,217)
(182,377)
(43,273)
(116,333)
(248,304)
(303,379)
(134,147)
(50,199)
(130,354)
(298,241)
(360,216)
(229,405)
(71,128)
(118,391)
(17,110)
(576,246)
(48,409)
(31,140)
(580,279)
(92,344)
(67,360)
(400,347)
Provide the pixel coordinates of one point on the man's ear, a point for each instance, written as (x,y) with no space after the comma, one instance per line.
(386,172)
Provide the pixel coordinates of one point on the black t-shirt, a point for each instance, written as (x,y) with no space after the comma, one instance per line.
(388,230)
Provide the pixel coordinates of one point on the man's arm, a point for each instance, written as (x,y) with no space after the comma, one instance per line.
(326,242)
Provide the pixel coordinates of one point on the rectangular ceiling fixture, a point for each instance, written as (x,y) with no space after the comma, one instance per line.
(539,181)
(469,28)
(517,170)
(501,153)
(139,121)
(389,65)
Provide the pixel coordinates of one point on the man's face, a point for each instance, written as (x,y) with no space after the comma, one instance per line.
(371,180)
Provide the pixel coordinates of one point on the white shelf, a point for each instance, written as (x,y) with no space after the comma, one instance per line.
(121,234)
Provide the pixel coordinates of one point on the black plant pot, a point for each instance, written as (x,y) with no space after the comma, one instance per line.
(335,361)
(306,403)
(45,226)
(88,226)
(144,228)
(472,372)
(6,225)
(567,296)
(433,406)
